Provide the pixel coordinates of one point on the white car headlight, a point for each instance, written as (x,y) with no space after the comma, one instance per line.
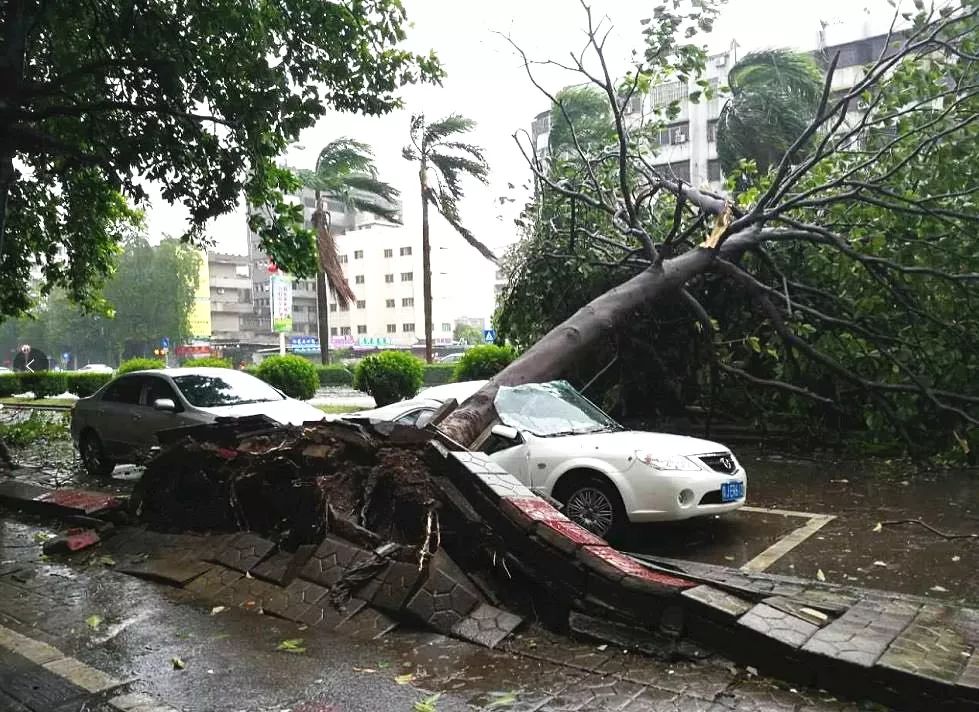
(673,462)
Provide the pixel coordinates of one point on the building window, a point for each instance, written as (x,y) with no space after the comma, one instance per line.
(361,304)
(446,326)
(389,303)
(405,251)
(392,328)
(333,307)
(345,307)
(713,170)
(389,253)
(343,259)
(667,93)
(333,331)
(408,327)
(407,276)
(408,302)
(344,331)
(712,131)
(389,279)
(674,135)
(359,279)
(358,254)
(677,170)
(361,328)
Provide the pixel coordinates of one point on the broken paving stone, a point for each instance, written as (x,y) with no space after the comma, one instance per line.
(446,596)
(778,625)
(394,586)
(283,566)
(325,615)
(175,572)
(720,601)
(293,601)
(864,632)
(367,624)
(486,625)
(331,560)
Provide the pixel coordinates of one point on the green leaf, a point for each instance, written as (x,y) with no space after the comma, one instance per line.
(292,645)
(428,704)
(177,663)
(94,621)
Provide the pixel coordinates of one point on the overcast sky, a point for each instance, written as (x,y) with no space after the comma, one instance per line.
(486,82)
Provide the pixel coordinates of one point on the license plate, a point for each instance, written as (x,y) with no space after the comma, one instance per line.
(732,491)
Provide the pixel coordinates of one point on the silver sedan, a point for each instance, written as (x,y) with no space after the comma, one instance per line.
(119,422)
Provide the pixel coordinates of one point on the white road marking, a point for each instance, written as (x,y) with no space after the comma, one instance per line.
(784,545)
(76,672)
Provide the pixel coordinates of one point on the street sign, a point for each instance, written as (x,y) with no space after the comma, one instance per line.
(165,343)
(489,336)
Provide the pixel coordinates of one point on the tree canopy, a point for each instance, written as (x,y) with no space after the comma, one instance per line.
(198,97)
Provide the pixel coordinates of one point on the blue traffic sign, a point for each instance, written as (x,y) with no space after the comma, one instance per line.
(489,336)
(165,343)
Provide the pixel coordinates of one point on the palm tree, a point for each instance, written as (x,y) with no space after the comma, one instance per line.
(437,149)
(774,95)
(344,172)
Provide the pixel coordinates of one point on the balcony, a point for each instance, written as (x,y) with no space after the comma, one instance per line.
(232,308)
(230,283)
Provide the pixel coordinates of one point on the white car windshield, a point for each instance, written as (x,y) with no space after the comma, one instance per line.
(555,408)
(233,388)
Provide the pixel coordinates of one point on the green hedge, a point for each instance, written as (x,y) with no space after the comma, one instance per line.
(293,375)
(207,362)
(335,376)
(389,376)
(52,383)
(438,373)
(140,364)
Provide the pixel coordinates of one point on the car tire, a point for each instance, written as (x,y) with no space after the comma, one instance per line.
(97,463)
(595,504)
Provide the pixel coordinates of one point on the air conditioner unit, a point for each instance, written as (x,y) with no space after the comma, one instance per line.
(680,137)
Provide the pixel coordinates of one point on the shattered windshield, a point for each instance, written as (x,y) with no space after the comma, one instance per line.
(554,408)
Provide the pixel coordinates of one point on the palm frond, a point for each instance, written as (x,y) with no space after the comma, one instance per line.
(454,168)
(326,246)
(451,124)
(345,155)
(446,205)
(475,151)
(778,71)
(372,186)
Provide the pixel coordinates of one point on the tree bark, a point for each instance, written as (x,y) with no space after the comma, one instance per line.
(552,356)
(426,262)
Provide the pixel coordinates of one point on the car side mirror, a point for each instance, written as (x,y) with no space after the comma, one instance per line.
(165,404)
(506,432)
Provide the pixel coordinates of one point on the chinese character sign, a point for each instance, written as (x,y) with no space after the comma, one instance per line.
(281,303)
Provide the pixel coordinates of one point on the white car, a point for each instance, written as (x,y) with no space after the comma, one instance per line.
(555,440)
(96,368)
(451,358)
(119,422)
(4,369)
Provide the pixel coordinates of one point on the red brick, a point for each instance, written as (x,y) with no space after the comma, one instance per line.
(616,565)
(527,511)
(88,502)
(567,536)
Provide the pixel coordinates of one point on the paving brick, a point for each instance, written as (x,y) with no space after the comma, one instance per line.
(172,571)
(799,610)
(567,536)
(937,644)
(283,566)
(525,512)
(779,625)
(864,632)
(250,593)
(395,585)
(293,601)
(501,484)
(211,584)
(595,692)
(446,596)
(244,552)
(615,565)
(331,560)
(486,625)
(325,615)
(367,624)
(715,599)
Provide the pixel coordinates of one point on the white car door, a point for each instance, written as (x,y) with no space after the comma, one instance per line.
(511,455)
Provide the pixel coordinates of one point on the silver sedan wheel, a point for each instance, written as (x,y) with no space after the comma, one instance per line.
(592,509)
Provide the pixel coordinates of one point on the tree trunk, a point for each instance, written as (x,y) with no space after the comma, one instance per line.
(426,263)
(322,303)
(552,356)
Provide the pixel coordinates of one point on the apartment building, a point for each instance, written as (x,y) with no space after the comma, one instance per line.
(230,288)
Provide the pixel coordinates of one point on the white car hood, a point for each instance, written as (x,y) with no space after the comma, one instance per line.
(289,411)
(627,442)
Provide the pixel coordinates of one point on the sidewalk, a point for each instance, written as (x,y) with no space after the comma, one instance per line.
(231,662)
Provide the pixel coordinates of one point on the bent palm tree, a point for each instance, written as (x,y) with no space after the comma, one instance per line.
(346,173)
(449,160)
(774,96)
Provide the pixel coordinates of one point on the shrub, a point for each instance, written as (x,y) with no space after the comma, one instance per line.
(38,426)
(335,376)
(438,373)
(139,364)
(389,376)
(484,361)
(9,384)
(293,375)
(85,384)
(43,383)
(207,362)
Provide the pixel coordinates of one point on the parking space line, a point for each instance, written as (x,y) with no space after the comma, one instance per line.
(76,672)
(781,512)
(784,545)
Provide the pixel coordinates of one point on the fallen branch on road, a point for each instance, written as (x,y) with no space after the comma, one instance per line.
(929,527)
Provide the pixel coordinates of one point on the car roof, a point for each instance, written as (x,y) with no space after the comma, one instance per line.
(174,372)
(460,391)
